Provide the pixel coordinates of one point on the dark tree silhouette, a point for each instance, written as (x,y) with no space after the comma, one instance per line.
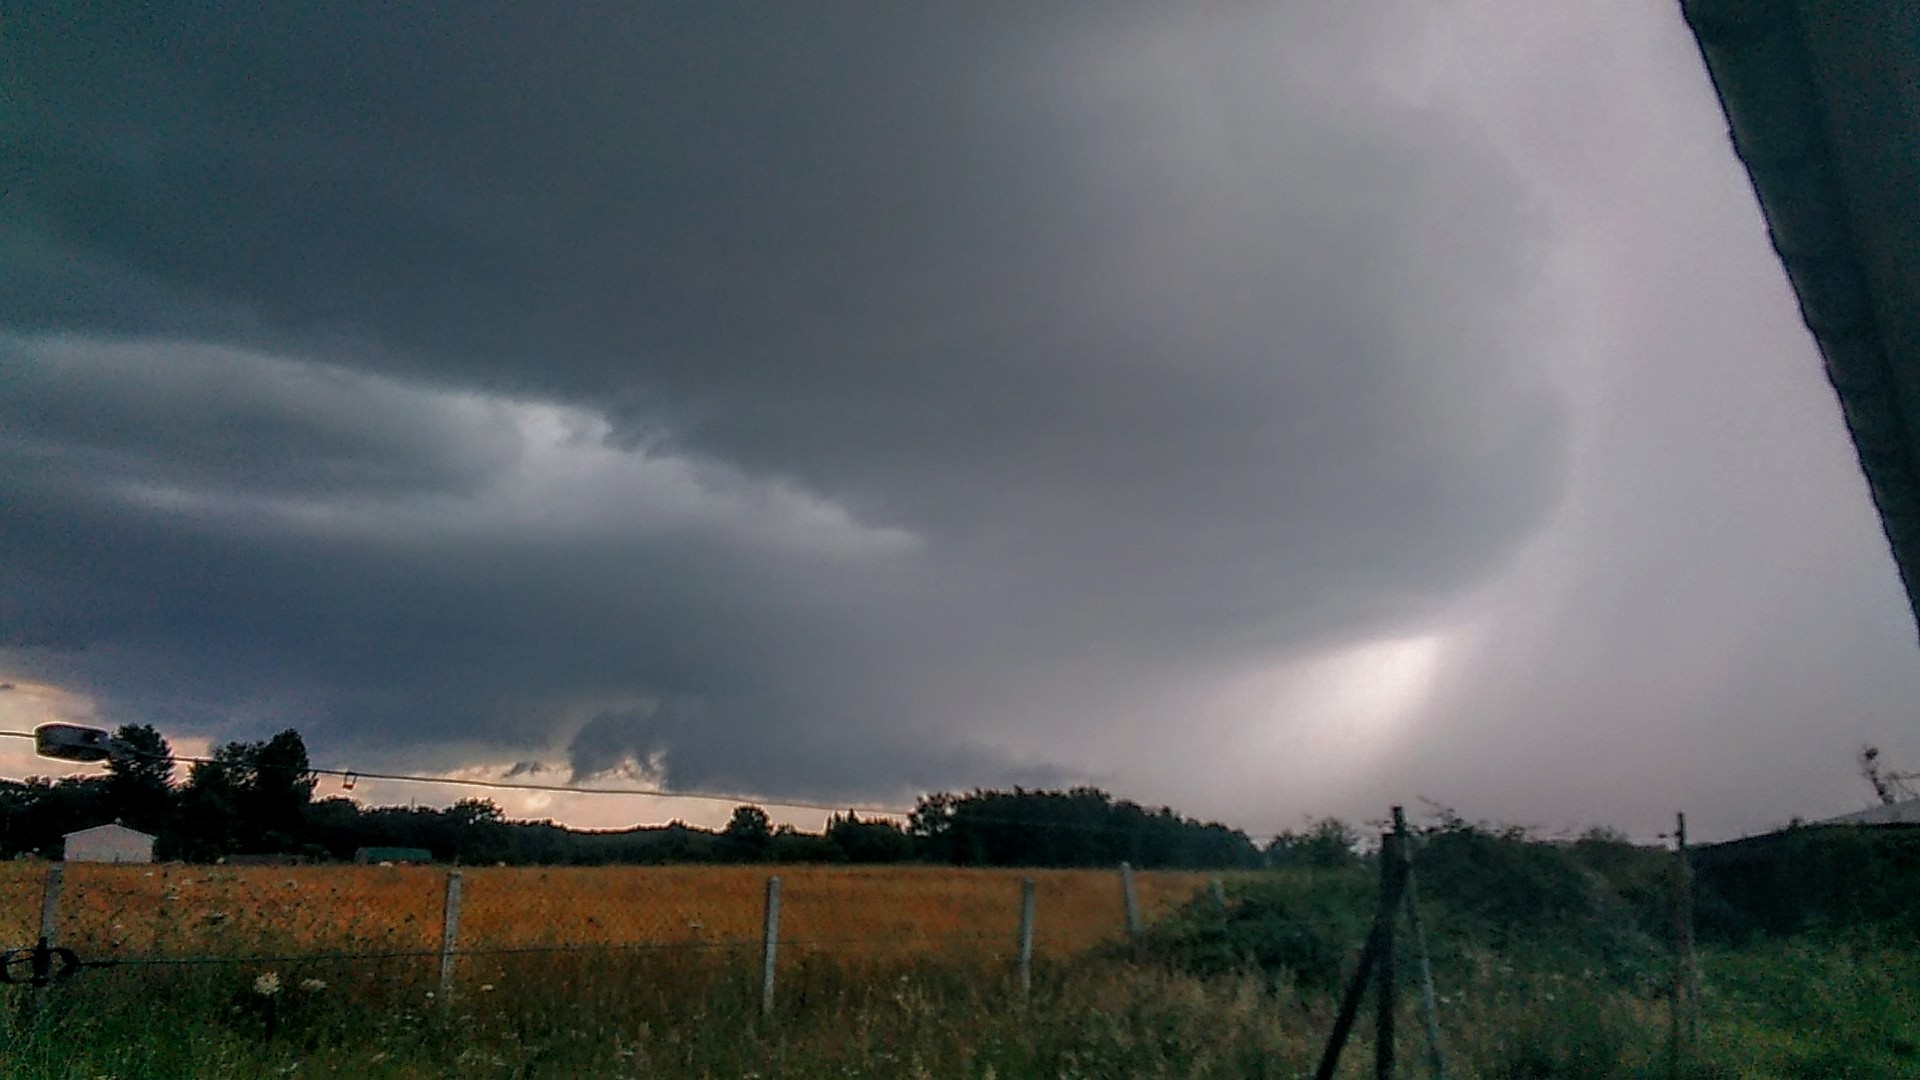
(140,781)
(748,835)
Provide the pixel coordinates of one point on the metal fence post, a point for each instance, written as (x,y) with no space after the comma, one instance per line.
(770,946)
(1132,901)
(50,905)
(1026,939)
(449,934)
(1219,890)
(49,922)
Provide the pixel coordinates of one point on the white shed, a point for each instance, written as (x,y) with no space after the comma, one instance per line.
(1905,812)
(109,843)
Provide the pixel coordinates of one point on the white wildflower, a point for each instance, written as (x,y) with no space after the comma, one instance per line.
(267,985)
(313,985)
(485,988)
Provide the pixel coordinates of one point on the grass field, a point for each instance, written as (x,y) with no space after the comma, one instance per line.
(179,910)
(1575,993)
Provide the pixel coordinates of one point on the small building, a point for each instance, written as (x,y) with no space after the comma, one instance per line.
(392,855)
(1905,812)
(113,843)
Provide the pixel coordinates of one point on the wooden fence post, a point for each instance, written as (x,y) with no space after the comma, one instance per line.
(449,934)
(1436,1059)
(1026,940)
(1379,939)
(1682,993)
(1386,993)
(1132,902)
(1219,890)
(770,946)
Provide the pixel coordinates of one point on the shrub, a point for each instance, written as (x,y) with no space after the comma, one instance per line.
(1296,927)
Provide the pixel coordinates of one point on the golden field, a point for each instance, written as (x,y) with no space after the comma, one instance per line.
(181,910)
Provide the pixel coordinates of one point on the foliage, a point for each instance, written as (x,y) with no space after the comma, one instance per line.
(1503,878)
(139,786)
(256,800)
(1080,827)
(872,841)
(1598,903)
(1327,844)
(250,797)
(749,834)
(1781,1011)
(1298,927)
(790,845)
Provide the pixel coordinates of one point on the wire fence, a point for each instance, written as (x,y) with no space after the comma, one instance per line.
(134,915)
(786,938)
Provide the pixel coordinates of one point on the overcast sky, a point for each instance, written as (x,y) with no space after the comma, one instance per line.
(1264,408)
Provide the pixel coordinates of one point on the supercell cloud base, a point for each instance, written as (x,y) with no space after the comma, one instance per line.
(1267,409)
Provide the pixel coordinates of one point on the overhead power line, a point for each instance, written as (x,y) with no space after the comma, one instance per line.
(702,796)
(566,789)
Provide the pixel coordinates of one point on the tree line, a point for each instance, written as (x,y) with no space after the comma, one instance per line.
(256,800)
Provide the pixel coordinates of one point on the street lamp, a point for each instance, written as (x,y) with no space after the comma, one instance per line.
(75,742)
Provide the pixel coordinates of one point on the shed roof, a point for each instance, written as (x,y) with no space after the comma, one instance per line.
(1905,812)
(110,829)
(1823,101)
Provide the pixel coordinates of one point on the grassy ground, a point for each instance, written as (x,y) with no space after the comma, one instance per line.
(1788,1009)
(193,910)
(1550,961)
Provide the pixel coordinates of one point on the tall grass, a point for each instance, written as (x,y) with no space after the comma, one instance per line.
(1551,961)
(1787,1009)
(673,1014)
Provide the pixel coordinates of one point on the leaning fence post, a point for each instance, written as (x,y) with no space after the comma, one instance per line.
(449,934)
(770,946)
(1132,901)
(1026,939)
(1435,1058)
(1379,940)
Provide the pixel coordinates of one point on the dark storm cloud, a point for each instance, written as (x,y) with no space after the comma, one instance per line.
(889,391)
(213,419)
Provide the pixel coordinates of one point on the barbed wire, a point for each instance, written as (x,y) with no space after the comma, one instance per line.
(482,951)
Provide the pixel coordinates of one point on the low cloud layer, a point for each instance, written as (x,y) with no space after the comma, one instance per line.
(836,403)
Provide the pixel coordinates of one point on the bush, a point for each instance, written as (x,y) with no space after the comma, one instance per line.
(1599,905)
(1296,927)
(1502,877)
(1328,844)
